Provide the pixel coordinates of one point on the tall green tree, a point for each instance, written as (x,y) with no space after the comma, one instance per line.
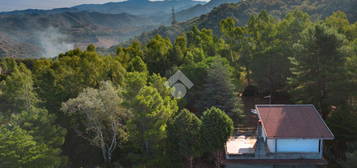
(19,149)
(233,36)
(203,39)
(339,21)
(151,112)
(183,135)
(317,69)
(157,55)
(22,109)
(99,118)
(216,128)
(261,52)
(125,55)
(219,90)
(137,64)
(17,92)
(351,67)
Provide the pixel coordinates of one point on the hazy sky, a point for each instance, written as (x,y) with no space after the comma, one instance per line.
(9,5)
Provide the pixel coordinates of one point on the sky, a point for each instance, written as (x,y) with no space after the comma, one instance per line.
(9,5)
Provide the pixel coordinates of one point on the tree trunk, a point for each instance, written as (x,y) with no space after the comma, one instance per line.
(108,163)
(190,159)
(248,75)
(146,146)
(218,159)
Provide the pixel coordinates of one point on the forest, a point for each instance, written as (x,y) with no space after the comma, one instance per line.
(84,109)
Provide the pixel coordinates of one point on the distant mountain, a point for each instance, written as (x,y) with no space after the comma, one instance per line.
(35,35)
(244,9)
(141,7)
(201,9)
(133,7)
(39,11)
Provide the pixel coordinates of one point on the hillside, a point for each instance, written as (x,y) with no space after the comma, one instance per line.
(48,34)
(242,10)
(161,10)
(200,9)
(141,7)
(34,32)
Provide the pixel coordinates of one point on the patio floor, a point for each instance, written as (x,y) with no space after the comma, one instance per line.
(241,145)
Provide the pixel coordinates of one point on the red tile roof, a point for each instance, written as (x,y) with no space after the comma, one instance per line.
(293,121)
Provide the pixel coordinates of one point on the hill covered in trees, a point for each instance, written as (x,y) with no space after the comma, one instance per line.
(242,11)
(83,109)
(133,7)
(201,9)
(46,33)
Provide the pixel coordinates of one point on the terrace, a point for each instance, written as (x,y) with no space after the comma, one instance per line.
(293,144)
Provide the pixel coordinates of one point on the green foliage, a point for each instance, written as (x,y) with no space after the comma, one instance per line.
(233,36)
(219,90)
(346,130)
(17,91)
(137,64)
(33,122)
(310,60)
(231,32)
(203,39)
(91,48)
(351,156)
(183,135)
(134,81)
(19,149)
(125,55)
(264,51)
(317,71)
(216,129)
(197,72)
(151,112)
(157,55)
(99,117)
(351,67)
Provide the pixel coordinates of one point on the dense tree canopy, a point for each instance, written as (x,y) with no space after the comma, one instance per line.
(101,116)
(318,71)
(49,107)
(183,133)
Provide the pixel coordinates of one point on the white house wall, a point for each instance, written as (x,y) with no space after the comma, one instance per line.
(271,145)
(298,145)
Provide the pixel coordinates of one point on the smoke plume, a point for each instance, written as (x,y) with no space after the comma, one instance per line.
(52,42)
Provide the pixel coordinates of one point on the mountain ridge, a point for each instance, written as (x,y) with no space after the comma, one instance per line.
(134,7)
(77,29)
(200,9)
(241,11)
(101,24)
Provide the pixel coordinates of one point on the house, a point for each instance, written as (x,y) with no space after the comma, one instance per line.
(286,135)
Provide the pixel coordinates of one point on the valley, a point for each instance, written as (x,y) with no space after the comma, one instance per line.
(46,33)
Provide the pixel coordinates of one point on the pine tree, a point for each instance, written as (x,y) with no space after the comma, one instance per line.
(219,90)
(151,111)
(215,131)
(317,69)
(21,105)
(183,133)
(19,149)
